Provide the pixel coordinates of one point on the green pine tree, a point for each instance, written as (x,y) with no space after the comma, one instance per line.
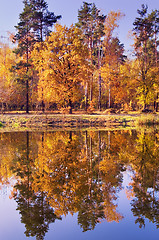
(34,25)
(26,40)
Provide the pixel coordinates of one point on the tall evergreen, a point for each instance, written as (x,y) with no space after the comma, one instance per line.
(35,23)
(143,32)
(146,30)
(91,22)
(154,19)
(43,20)
(25,39)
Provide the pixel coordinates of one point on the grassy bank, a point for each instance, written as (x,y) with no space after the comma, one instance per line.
(36,121)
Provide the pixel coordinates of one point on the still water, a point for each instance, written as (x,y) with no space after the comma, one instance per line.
(79,185)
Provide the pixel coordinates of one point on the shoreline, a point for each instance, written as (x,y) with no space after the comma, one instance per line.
(20,121)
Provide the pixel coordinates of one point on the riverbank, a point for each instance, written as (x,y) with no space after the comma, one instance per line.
(39,121)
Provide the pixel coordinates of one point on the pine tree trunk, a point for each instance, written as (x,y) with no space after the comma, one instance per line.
(70,104)
(27,96)
(156,58)
(91,81)
(27,81)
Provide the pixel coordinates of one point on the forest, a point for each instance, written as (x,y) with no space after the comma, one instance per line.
(52,67)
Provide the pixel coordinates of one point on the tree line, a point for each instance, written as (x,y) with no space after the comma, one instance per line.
(83,66)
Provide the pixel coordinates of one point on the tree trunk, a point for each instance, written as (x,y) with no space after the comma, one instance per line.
(109,95)
(99,96)
(157,107)
(27,95)
(91,81)
(70,136)
(91,88)
(86,97)
(42,103)
(27,80)
(99,81)
(156,58)
(70,104)
(156,103)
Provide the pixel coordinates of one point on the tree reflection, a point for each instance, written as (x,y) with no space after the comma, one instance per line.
(68,171)
(35,211)
(80,172)
(145,163)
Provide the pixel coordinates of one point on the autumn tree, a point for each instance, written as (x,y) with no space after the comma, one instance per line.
(91,22)
(124,86)
(43,20)
(113,52)
(62,65)
(8,86)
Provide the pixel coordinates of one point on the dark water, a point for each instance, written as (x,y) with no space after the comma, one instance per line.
(79,185)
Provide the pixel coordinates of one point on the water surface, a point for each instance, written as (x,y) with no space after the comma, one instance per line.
(79,185)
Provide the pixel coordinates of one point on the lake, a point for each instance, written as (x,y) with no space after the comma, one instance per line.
(82,185)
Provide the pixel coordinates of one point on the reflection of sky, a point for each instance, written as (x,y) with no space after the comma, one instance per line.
(12,229)
(126,229)
(10,225)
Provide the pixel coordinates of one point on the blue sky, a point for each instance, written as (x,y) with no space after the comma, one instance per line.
(10,10)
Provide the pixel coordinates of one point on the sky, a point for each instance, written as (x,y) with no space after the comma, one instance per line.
(10,10)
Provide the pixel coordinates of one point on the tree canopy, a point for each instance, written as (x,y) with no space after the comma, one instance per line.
(82,66)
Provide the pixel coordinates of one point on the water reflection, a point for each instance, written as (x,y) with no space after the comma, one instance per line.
(145,184)
(80,172)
